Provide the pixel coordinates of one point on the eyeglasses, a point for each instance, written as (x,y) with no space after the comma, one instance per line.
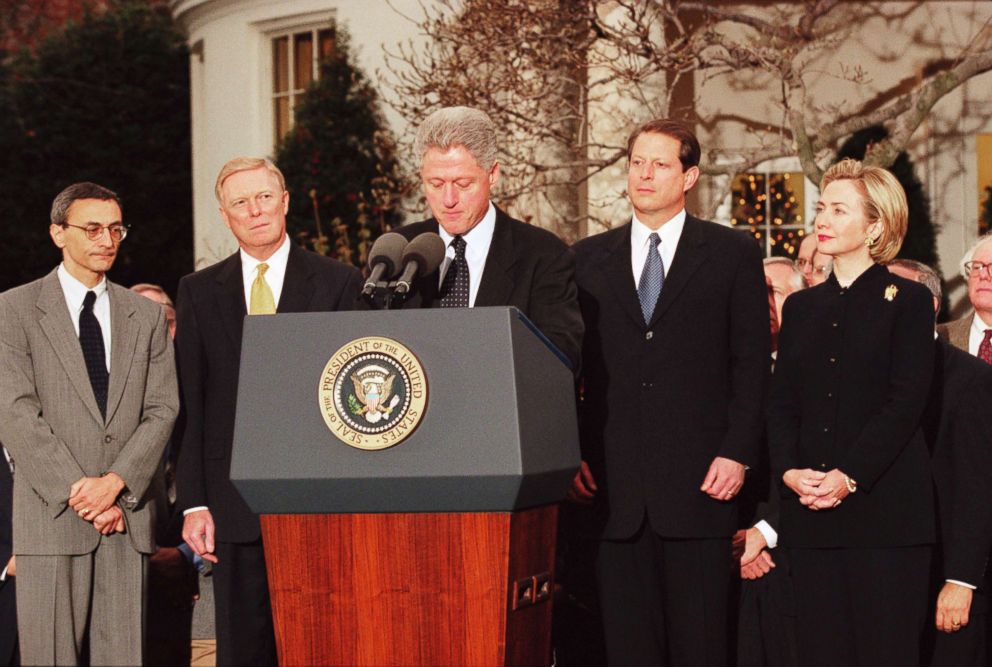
(976,268)
(94,231)
(802,263)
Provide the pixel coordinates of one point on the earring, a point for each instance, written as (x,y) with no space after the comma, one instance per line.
(869,241)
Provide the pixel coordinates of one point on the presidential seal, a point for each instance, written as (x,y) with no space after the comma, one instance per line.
(372,393)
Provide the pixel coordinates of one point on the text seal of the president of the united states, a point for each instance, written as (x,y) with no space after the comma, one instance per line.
(372,393)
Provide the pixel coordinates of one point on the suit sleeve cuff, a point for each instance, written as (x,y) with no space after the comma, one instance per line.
(961,583)
(771,537)
(195,509)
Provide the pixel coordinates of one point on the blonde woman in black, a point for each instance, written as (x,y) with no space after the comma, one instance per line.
(850,384)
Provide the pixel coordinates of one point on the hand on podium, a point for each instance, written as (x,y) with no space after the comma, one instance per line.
(583,486)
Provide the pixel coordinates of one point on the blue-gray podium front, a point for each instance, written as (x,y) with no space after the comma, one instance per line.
(407,465)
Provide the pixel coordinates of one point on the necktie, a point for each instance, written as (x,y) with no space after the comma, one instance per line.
(652,277)
(262,302)
(91,341)
(454,287)
(985,349)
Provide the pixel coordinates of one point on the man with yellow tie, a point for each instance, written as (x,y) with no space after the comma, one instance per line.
(268,274)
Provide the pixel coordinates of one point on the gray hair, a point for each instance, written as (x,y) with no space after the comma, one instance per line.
(797,281)
(924,274)
(458,126)
(968,256)
(85,190)
(152,287)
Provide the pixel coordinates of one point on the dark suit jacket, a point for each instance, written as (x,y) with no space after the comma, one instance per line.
(527,267)
(849,389)
(958,428)
(210,315)
(660,401)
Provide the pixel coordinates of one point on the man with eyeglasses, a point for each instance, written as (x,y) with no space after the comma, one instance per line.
(88,397)
(814,266)
(973,333)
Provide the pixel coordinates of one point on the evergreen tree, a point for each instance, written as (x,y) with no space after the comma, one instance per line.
(339,162)
(105,99)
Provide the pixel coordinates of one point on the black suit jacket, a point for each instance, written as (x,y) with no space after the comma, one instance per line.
(527,267)
(210,315)
(958,428)
(661,400)
(850,386)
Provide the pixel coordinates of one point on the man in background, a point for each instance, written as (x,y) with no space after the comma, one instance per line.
(973,333)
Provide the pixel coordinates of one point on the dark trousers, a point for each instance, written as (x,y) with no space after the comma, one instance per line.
(664,601)
(245,635)
(9,653)
(860,607)
(766,626)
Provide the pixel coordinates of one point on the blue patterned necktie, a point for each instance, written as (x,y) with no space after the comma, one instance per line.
(454,287)
(652,277)
(91,341)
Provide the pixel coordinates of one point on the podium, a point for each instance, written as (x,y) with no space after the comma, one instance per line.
(407,466)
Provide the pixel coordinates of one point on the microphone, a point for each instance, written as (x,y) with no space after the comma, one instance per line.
(422,256)
(384,260)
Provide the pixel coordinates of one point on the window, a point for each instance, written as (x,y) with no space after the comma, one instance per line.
(771,207)
(295,65)
(983,146)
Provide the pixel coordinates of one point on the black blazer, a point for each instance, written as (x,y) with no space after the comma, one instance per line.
(849,389)
(210,315)
(527,267)
(958,428)
(660,401)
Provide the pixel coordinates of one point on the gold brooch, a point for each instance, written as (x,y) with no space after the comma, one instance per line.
(890,292)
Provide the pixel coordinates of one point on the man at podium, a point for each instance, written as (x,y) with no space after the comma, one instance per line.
(490,259)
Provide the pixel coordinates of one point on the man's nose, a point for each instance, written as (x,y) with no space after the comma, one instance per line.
(450,196)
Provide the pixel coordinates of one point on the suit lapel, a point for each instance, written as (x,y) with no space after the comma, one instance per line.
(123,337)
(621,278)
(57,325)
(297,289)
(689,256)
(231,299)
(496,285)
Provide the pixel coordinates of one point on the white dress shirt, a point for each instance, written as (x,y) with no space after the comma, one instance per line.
(75,292)
(977,334)
(275,275)
(640,243)
(477,242)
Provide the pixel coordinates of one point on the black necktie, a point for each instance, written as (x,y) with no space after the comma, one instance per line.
(454,287)
(91,340)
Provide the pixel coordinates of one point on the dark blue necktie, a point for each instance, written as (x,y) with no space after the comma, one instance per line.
(652,277)
(91,340)
(454,287)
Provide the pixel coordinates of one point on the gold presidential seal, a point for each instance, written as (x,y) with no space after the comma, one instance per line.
(372,393)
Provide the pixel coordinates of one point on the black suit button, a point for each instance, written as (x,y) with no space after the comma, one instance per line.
(108,439)
(843,292)
(830,394)
(649,335)
(833,360)
(823,465)
(833,324)
(826,429)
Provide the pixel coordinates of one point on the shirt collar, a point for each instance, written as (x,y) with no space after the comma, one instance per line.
(276,262)
(75,291)
(477,239)
(669,233)
(978,325)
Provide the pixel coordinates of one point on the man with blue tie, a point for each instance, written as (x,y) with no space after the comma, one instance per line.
(675,366)
(88,397)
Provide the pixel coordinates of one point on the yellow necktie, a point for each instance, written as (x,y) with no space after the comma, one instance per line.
(262,302)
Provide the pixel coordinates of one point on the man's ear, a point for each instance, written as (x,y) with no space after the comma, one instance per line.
(56,232)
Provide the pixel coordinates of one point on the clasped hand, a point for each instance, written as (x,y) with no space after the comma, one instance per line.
(817,490)
(93,498)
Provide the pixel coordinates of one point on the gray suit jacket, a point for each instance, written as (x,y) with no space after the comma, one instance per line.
(957,332)
(50,422)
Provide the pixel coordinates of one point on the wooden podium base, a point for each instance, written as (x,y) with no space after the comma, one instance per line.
(412,589)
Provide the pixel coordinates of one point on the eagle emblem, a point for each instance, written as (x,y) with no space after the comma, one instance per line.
(890,292)
(373,398)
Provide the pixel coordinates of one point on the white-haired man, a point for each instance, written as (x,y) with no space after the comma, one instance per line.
(973,333)
(491,258)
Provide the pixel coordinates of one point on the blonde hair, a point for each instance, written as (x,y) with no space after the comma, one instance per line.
(245,164)
(884,202)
